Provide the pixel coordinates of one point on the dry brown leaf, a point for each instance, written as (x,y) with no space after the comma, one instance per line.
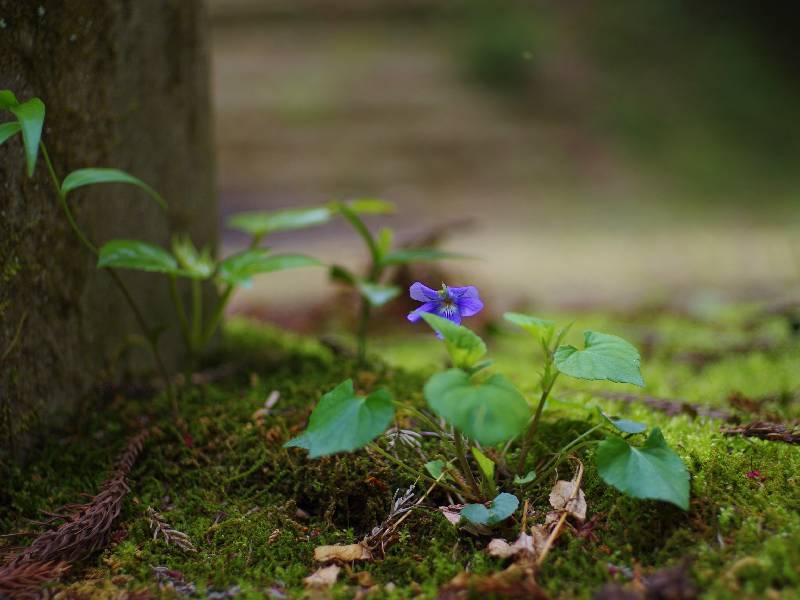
(502,549)
(452,513)
(539,535)
(364,579)
(526,545)
(514,582)
(322,578)
(561,498)
(342,553)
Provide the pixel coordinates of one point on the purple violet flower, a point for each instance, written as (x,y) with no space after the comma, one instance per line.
(449,302)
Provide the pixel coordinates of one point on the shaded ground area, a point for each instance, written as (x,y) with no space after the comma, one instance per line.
(255,511)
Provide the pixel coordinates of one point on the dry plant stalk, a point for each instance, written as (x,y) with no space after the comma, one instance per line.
(25,580)
(774,432)
(159,526)
(89,528)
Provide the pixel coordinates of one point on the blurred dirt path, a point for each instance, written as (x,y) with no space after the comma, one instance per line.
(307,111)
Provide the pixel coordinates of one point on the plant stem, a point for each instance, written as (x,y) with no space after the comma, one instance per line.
(363,231)
(433,424)
(150,342)
(548,381)
(363,327)
(216,315)
(180,310)
(375,271)
(62,198)
(461,453)
(197,315)
(374,446)
(15,339)
(490,486)
(575,444)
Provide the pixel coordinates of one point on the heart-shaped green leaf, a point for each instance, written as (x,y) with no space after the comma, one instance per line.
(463,345)
(651,471)
(502,507)
(624,425)
(8,129)
(137,255)
(489,411)
(376,294)
(240,268)
(343,422)
(93,176)
(604,357)
(30,115)
(260,223)
(414,255)
(539,328)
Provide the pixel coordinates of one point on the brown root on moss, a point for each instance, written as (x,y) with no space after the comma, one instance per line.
(88,529)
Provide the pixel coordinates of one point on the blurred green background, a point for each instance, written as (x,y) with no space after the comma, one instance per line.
(591,152)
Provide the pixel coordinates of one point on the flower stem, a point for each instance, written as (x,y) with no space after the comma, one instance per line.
(137,313)
(461,453)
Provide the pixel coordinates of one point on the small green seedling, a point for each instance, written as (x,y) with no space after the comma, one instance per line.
(186,262)
(29,121)
(652,470)
(374,292)
(484,421)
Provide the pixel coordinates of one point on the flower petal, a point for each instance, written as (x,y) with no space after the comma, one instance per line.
(449,312)
(468,291)
(467,300)
(415,315)
(422,293)
(469,306)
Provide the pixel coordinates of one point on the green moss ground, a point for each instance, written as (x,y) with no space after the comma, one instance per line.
(236,492)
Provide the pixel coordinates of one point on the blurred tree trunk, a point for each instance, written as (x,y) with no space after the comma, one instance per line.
(125,83)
